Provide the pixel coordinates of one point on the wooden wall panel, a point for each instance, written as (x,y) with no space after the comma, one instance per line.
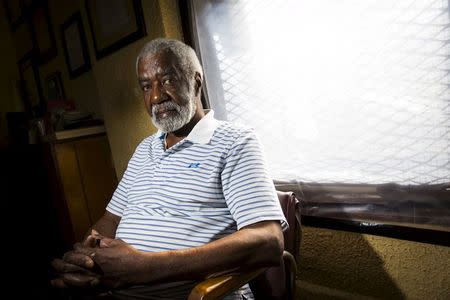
(71,182)
(97,173)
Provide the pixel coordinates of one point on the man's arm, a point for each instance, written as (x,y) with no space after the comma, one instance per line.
(107,225)
(253,246)
(257,245)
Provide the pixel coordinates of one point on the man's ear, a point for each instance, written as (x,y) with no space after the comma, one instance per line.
(198,83)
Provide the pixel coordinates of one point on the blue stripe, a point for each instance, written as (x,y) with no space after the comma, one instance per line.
(206,222)
(191,231)
(205,185)
(195,241)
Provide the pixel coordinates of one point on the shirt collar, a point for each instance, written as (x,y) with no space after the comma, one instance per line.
(202,131)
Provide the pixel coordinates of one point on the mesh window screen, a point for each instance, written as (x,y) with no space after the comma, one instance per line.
(346,91)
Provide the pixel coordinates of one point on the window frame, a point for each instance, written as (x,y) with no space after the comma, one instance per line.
(306,191)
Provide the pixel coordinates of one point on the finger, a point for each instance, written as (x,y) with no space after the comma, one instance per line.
(106,242)
(80,258)
(87,251)
(63,267)
(80,280)
(90,241)
(93,240)
(58,283)
(79,246)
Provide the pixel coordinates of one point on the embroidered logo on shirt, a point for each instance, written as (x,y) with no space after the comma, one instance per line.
(194,165)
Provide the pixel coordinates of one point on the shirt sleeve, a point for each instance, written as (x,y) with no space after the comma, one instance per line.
(119,199)
(247,186)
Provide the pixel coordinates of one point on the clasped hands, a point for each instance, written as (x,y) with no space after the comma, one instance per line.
(97,263)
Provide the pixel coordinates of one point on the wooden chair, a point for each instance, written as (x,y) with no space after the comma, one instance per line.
(276,283)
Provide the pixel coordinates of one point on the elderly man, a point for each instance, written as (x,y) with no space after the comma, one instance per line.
(196,199)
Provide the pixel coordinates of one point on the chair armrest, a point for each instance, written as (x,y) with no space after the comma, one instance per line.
(218,287)
(290,267)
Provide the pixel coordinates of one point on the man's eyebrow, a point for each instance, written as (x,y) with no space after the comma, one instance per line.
(168,72)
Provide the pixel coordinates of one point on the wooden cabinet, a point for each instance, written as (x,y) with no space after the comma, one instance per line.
(83,182)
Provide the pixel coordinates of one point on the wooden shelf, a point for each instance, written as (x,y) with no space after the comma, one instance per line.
(78,132)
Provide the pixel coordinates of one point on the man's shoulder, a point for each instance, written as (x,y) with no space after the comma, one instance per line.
(148,140)
(232,134)
(146,143)
(232,130)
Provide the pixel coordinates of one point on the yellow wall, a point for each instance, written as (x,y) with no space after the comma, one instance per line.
(109,90)
(126,120)
(345,265)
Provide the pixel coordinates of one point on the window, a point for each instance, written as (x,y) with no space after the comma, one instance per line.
(350,98)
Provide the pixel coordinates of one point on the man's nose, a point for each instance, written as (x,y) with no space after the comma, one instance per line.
(157,95)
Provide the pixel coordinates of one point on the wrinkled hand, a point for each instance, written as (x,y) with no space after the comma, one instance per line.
(77,267)
(118,262)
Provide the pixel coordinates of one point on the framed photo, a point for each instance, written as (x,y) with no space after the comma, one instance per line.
(31,88)
(29,4)
(54,87)
(43,35)
(14,14)
(75,46)
(23,40)
(114,24)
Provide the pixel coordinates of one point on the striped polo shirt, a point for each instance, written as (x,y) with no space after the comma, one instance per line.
(207,186)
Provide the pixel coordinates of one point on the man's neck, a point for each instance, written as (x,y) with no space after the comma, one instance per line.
(174,137)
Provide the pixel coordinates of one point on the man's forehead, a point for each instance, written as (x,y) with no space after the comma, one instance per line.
(158,63)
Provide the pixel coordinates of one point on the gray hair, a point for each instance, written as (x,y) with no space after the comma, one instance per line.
(186,56)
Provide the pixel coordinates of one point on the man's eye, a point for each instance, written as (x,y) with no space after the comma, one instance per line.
(167,81)
(146,88)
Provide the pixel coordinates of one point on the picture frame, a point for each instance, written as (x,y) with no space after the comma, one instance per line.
(30,86)
(42,31)
(114,24)
(22,40)
(75,46)
(54,87)
(28,5)
(14,13)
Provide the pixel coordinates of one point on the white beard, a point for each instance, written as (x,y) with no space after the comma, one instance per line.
(181,117)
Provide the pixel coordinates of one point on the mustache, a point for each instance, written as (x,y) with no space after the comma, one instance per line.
(168,105)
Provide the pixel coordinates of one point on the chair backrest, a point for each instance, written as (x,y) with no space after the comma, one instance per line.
(279,282)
